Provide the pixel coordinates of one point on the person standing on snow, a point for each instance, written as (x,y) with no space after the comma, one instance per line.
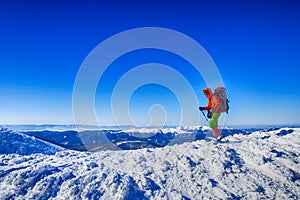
(214,112)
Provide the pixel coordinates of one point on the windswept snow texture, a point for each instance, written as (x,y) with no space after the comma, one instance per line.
(257,165)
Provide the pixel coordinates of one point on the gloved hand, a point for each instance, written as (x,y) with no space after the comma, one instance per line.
(201,108)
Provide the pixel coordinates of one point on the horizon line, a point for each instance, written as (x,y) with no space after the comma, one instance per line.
(165,126)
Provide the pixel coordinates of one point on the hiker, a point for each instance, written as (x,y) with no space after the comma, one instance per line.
(214,111)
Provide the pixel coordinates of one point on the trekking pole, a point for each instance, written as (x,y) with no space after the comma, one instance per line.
(204,115)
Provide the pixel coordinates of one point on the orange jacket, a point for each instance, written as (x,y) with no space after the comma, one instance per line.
(213,101)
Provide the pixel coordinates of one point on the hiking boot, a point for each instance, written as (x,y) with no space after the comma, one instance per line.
(220,136)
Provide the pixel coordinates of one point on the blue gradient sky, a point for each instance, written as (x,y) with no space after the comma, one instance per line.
(255,45)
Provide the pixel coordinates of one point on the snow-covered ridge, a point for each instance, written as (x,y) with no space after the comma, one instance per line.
(257,165)
(15,142)
(176,130)
(126,139)
(129,138)
(56,127)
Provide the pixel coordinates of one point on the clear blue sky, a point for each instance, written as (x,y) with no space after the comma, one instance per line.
(255,45)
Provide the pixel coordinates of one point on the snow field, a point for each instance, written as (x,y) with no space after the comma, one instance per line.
(260,165)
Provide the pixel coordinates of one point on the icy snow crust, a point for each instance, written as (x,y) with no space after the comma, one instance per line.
(257,165)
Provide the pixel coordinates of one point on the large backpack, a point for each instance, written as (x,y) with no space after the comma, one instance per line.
(221,93)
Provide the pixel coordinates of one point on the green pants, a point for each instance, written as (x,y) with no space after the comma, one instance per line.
(213,122)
